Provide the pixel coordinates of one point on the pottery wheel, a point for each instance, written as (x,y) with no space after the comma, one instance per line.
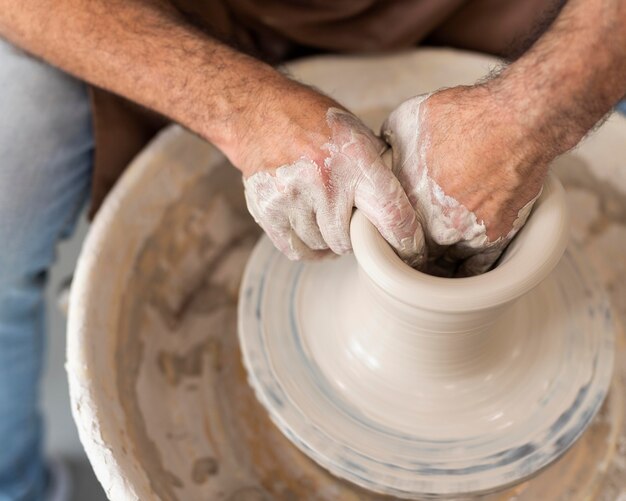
(523,412)
(159,394)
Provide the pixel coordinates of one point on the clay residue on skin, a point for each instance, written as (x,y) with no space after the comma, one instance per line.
(456,240)
(305,208)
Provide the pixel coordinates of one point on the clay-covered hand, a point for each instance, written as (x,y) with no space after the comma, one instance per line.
(471,172)
(307,165)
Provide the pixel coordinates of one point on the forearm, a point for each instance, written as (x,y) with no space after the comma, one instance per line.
(146,52)
(572,76)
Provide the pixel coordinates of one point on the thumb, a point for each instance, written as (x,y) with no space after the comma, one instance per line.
(381,198)
(401,129)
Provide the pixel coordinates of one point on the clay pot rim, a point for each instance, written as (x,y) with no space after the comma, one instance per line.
(528,260)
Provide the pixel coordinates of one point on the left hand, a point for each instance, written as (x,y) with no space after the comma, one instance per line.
(471,170)
(307,162)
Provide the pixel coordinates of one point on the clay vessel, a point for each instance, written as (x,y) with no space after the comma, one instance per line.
(406,335)
(410,384)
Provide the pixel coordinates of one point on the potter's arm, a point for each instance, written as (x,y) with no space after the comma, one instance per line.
(573,75)
(487,147)
(145,51)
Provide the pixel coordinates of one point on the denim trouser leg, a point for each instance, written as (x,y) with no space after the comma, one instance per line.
(45,170)
(622,107)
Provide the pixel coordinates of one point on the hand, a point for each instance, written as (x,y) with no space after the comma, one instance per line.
(306,163)
(471,171)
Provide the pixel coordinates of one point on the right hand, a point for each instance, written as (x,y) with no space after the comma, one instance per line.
(472,187)
(306,163)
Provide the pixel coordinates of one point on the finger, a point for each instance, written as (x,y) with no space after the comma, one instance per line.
(387,130)
(401,130)
(480,262)
(408,113)
(295,249)
(334,224)
(285,239)
(266,205)
(305,226)
(383,201)
(283,219)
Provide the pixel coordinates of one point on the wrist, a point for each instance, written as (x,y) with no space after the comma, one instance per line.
(541,128)
(236,110)
(503,141)
(284,122)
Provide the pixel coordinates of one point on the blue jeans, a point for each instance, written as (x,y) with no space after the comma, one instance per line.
(46,148)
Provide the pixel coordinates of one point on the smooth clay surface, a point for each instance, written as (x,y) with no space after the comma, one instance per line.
(159,393)
(409,384)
